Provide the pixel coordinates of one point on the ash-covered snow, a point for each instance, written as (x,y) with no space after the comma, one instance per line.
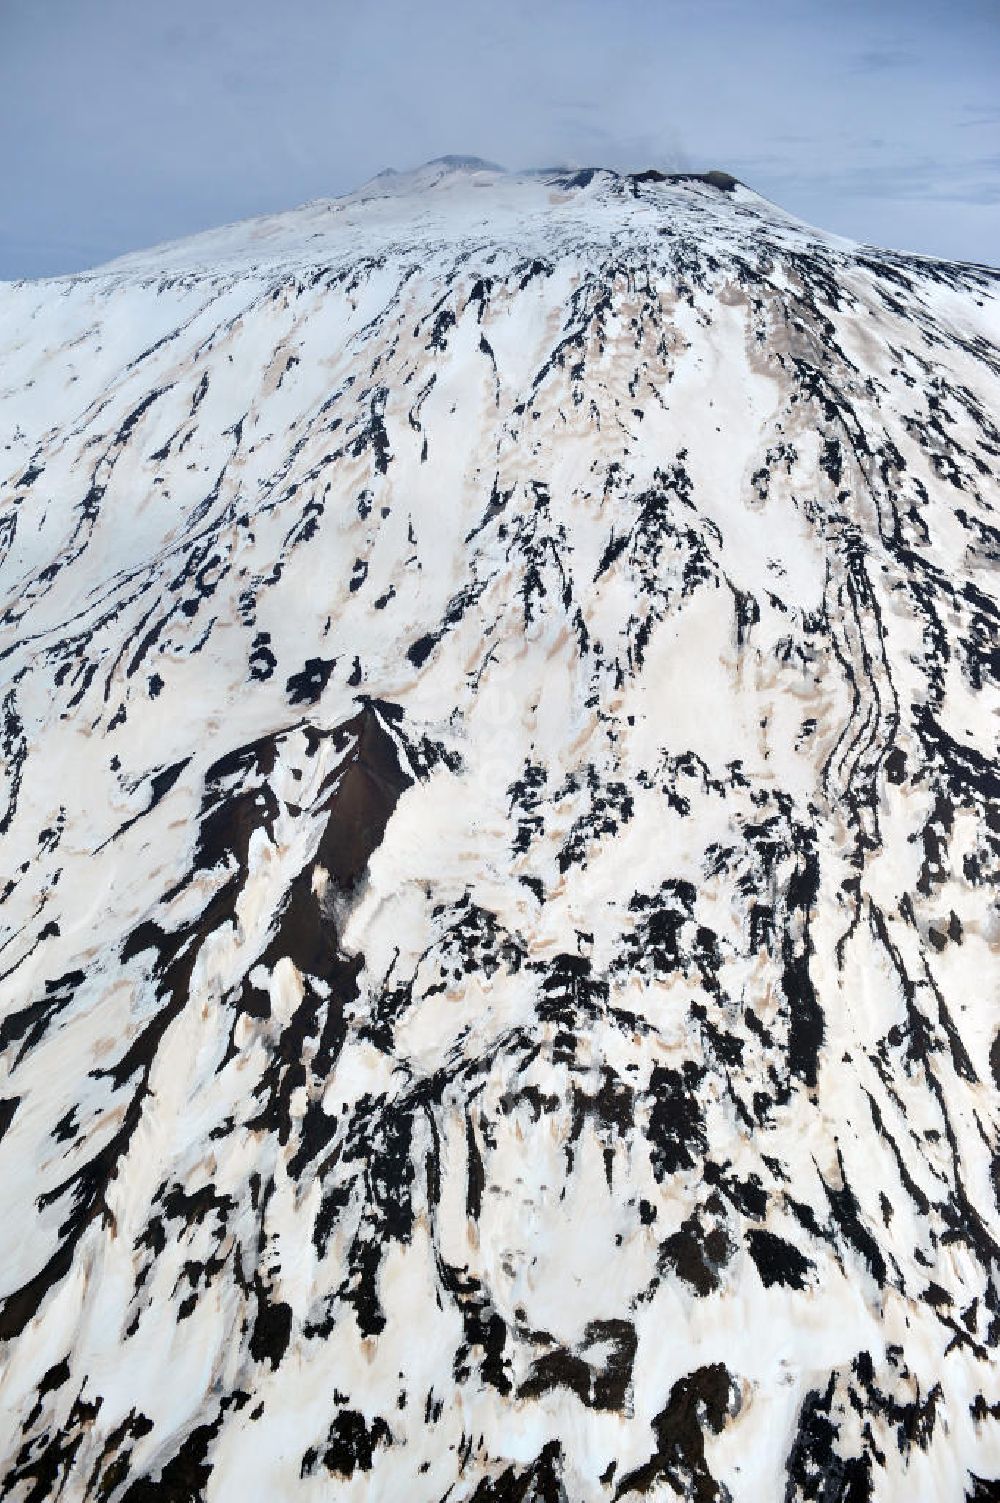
(498,692)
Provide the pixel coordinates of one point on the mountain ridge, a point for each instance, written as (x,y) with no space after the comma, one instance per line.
(441,178)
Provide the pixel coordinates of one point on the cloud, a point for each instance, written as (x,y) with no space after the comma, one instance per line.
(980,115)
(976,181)
(880,60)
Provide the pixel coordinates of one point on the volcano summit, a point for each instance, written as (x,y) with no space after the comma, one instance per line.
(501,827)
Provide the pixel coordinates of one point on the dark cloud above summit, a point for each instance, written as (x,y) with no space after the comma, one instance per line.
(128,124)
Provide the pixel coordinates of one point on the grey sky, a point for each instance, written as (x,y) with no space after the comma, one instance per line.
(125,123)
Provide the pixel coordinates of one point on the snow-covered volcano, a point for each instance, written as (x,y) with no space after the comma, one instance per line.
(500,833)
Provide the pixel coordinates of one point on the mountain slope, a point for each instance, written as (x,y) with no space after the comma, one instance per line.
(501,829)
